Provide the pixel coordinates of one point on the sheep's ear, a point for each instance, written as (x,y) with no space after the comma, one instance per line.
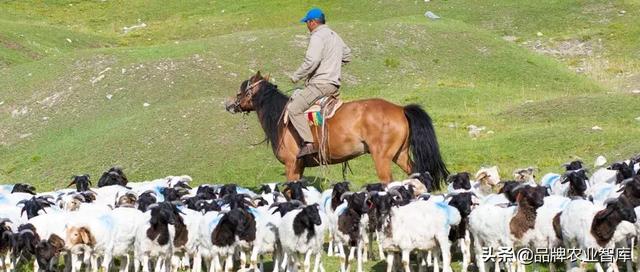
(519,196)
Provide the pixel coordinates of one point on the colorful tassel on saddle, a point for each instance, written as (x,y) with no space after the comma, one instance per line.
(315,118)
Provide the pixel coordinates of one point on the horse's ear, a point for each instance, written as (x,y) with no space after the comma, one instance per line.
(257,76)
(267,77)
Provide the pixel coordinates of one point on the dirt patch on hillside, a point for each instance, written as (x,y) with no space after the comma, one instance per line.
(12,45)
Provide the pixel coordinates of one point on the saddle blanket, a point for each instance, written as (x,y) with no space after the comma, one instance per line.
(321,110)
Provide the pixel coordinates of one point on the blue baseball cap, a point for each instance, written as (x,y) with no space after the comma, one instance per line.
(314,13)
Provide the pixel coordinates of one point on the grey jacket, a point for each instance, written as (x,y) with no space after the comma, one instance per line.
(324,58)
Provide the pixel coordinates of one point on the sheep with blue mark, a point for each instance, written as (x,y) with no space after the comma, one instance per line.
(329,201)
(155,234)
(495,226)
(350,228)
(418,225)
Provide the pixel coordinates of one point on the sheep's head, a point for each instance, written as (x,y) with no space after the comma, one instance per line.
(357,201)
(617,206)
(574,165)
(265,189)
(340,188)
(23,188)
(417,188)
(293,191)
(173,194)
(460,180)
(71,201)
(47,252)
(179,182)
(577,182)
(127,200)
(530,195)
(374,187)
(206,206)
(206,192)
(426,179)
(227,189)
(631,189)
(525,174)
(238,201)
(285,207)
(114,176)
(624,171)
(145,200)
(463,202)
(488,176)
(508,189)
(79,236)
(82,183)
(34,205)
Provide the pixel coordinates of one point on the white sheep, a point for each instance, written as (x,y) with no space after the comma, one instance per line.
(586,225)
(302,231)
(420,225)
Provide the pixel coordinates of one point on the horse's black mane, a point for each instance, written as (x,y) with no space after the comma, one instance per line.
(269,103)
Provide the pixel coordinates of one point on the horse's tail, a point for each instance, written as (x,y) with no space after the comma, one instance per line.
(424,145)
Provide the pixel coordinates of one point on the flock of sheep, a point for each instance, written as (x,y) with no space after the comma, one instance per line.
(166,225)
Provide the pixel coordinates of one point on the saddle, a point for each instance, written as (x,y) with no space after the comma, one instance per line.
(321,110)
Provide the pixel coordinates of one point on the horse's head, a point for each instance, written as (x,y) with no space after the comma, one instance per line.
(243,101)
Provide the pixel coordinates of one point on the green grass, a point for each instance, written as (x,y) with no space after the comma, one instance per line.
(190,58)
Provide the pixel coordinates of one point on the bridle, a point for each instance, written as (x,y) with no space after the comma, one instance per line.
(249,92)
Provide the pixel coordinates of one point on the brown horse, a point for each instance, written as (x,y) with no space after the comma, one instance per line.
(387,131)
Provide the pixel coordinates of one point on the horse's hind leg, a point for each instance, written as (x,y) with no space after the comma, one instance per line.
(382,159)
(403,160)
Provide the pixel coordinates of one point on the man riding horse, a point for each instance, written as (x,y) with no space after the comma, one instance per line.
(322,68)
(391,133)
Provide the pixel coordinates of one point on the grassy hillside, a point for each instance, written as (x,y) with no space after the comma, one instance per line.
(77,107)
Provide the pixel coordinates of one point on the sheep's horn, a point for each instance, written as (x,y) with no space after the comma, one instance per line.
(394,192)
(296,202)
(345,195)
(72,183)
(154,205)
(150,192)
(415,175)
(22,202)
